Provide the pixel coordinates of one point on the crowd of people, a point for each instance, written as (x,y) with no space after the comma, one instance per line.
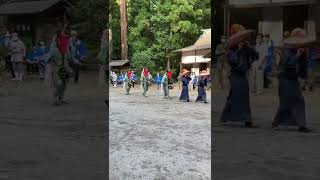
(56,61)
(21,59)
(165,82)
(249,67)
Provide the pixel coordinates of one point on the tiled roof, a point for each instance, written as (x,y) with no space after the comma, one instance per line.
(27,6)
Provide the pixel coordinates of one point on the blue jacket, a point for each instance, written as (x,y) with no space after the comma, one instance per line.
(158,79)
(134,77)
(312,57)
(78,50)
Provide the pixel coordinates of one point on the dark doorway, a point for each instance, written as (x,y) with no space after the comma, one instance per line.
(292,19)
(241,16)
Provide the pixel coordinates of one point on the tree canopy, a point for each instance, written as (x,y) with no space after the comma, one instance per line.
(89,18)
(158,27)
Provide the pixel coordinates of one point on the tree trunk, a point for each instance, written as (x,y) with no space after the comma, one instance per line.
(110,41)
(124,38)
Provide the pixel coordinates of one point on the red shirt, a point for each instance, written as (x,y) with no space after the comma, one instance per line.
(64,42)
(129,75)
(146,72)
(169,74)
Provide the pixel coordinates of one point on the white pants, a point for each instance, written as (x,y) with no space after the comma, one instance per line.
(256,78)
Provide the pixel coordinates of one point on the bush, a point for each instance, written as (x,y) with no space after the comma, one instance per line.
(141,60)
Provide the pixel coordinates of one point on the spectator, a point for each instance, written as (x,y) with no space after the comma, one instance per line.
(133,78)
(77,54)
(158,80)
(269,58)
(18,52)
(114,79)
(31,60)
(40,56)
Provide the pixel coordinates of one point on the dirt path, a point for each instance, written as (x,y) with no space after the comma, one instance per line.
(262,153)
(39,141)
(153,138)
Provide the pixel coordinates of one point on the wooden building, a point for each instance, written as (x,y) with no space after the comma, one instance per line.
(34,20)
(194,57)
(119,66)
(272,17)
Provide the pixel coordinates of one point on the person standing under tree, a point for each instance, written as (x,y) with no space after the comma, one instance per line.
(133,78)
(145,80)
(127,82)
(103,56)
(202,83)
(77,54)
(18,52)
(291,109)
(114,79)
(7,55)
(269,60)
(59,70)
(257,69)
(158,81)
(240,57)
(185,82)
(221,61)
(165,85)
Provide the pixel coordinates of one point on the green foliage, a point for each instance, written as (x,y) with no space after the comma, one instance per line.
(114,10)
(158,27)
(141,60)
(89,18)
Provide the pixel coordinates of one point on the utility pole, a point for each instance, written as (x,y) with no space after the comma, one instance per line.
(124,36)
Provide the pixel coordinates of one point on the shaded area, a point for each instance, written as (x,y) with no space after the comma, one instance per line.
(41,141)
(262,153)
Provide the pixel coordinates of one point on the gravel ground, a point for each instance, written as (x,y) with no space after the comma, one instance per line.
(152,138)
(262,153)
(41,142)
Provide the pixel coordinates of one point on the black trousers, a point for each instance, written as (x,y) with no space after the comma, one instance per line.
(76,70)
(266,80)
(9,66)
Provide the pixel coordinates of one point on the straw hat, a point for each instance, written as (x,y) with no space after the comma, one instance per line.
(298,38)
(184,72)
(204,73)
(74,33)
(240,36)
(235,28)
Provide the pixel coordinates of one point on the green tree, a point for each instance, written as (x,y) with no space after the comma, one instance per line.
(159,27)
(141,60)
(89,18)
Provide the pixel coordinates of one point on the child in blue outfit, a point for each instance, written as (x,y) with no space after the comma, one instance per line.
(158,80)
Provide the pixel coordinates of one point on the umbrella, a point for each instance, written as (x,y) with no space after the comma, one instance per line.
(298,38)
(235,28)
(184,72)
(239,36)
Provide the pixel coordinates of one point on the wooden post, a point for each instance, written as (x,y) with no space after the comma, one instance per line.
(124,38)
